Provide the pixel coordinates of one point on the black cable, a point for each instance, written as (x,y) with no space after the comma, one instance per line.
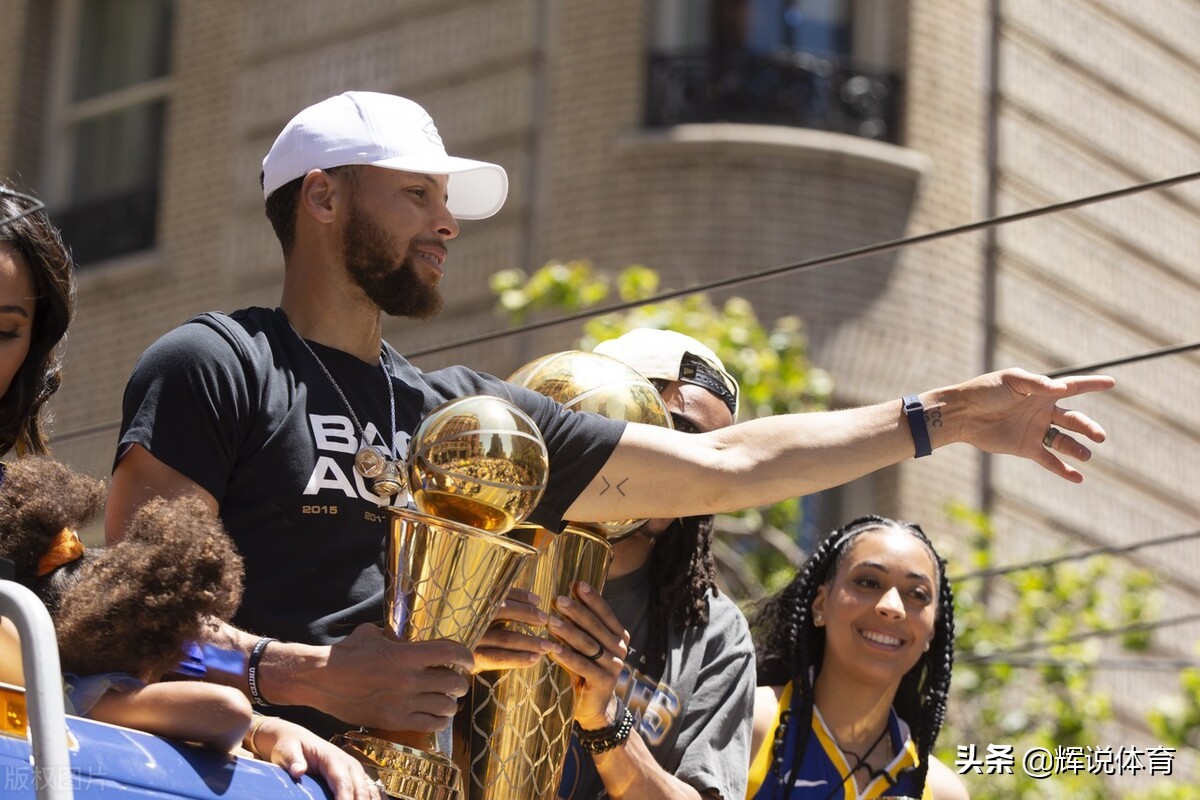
(811,263)
(1076,556)
(1133,627)
(1135,664)
(1095,366)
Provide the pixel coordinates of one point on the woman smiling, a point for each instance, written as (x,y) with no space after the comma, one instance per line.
(854,660)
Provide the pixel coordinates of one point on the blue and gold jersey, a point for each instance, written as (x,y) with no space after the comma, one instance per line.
(824,770)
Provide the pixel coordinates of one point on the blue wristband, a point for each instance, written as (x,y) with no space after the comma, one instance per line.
(914,409)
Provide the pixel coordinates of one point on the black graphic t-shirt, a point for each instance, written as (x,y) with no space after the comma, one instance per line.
(239,405)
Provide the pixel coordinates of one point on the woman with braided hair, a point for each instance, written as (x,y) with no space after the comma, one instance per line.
(854,661)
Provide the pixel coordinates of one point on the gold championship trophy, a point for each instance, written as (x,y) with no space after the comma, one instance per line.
(513,736)
(476,467)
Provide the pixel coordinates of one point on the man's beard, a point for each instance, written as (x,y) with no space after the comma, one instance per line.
(395,287)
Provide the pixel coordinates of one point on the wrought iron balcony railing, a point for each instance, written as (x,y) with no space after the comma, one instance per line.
(787,87)
(112,226)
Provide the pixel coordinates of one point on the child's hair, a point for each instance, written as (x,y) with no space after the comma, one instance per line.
(39,497)
(790,647)
(130,607)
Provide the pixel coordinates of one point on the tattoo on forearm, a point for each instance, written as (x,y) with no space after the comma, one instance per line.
(933,417)
(618,486)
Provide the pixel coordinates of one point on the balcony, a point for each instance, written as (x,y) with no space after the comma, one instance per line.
(792,88)
(113,226)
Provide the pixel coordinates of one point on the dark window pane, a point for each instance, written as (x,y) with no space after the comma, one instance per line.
(117,152)
(121,43)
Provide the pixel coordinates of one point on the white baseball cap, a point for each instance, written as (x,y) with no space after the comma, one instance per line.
(381,130)
(673,356)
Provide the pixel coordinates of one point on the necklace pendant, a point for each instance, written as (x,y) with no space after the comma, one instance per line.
(370,461)
(390,482)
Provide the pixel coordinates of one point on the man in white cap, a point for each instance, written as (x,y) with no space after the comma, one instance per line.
(688,673)
(283,420)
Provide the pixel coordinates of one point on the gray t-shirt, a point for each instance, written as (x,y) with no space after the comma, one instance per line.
(696,717)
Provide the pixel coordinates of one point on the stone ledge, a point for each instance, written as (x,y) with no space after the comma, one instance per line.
(819,148)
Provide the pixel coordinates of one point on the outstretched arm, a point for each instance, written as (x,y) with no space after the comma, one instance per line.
(767,460)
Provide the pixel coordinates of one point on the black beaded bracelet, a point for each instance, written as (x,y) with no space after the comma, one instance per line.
(605,739)
(252,671)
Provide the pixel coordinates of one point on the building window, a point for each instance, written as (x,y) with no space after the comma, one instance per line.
(113,86)
(825,64)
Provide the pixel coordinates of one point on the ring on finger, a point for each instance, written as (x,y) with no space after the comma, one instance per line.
(1051,434)
(600,651)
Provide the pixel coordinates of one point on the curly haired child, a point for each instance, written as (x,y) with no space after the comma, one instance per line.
(125,614)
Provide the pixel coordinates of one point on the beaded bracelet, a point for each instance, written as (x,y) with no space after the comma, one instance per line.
(605,739)
(252,671)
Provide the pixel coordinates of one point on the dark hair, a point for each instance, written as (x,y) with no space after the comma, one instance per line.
(126,608)
(41,247)
(38,498)
(281,205)
(682,555)
(790,647)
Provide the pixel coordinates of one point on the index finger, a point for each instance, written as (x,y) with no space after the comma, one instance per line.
(1082,384)
(443,653)
(592,600)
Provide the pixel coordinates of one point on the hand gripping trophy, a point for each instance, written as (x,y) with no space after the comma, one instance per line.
(513,736)
(476,468)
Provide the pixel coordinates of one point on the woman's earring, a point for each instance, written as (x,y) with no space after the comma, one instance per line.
(819,620)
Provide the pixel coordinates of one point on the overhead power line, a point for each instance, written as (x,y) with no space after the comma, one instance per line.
(1075,638)
(812,263)
(1077,556)
(1097,366)
(1148,664)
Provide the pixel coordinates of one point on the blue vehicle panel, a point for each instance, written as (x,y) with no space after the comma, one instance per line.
(110,762)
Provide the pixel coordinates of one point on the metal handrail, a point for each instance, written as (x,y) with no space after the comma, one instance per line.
(43,690)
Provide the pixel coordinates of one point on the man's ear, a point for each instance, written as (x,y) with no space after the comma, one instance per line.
(317,196)
(818,606)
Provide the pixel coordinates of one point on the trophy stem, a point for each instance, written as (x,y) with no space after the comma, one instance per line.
(512,739)
(445,580)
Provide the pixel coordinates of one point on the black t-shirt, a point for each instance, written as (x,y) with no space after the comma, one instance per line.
(239,405)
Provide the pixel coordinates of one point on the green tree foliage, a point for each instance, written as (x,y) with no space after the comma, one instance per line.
(770,363)
(1024,675)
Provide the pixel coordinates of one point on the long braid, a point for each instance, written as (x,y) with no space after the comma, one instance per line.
(683,556)
(790,647)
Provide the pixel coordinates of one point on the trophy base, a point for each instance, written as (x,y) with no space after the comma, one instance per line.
(404,772)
